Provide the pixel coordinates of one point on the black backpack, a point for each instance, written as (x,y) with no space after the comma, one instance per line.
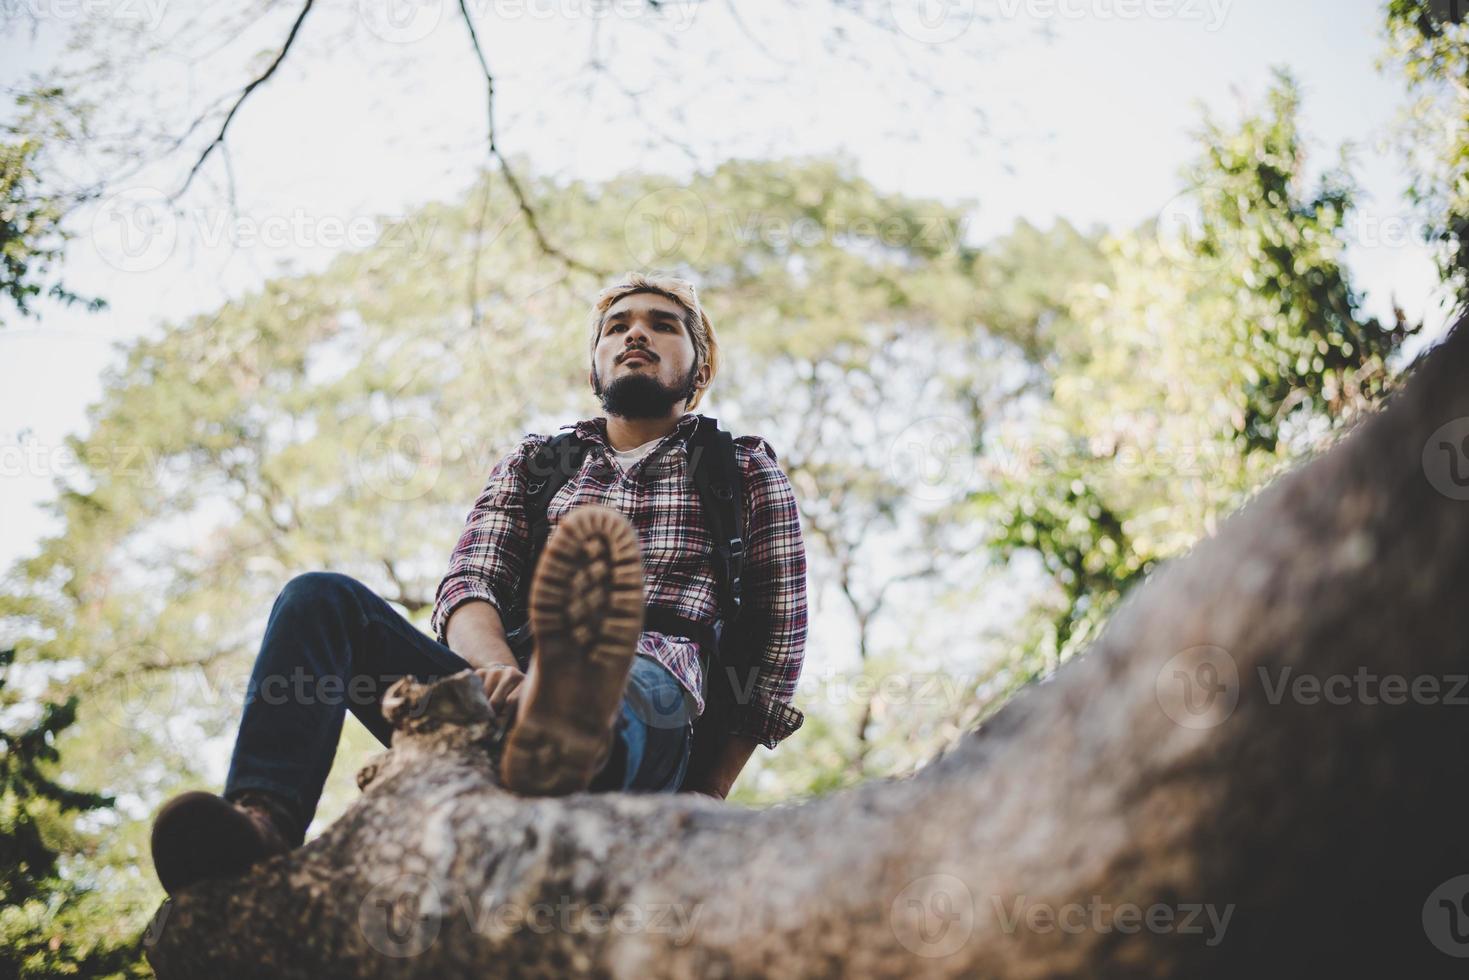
(720,485)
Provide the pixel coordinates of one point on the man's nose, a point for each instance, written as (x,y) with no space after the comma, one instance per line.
(638,335)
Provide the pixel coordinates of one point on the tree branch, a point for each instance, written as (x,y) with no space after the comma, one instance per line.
(520,198)
(245,94)
(1252,825)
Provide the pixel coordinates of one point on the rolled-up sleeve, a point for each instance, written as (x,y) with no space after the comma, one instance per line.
(490,558)
(774,590)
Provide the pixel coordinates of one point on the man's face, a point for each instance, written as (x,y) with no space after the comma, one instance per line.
(654,384)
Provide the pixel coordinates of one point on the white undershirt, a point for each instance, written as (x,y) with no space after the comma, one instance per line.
(627,458)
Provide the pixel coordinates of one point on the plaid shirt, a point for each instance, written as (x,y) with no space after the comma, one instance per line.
(657,495)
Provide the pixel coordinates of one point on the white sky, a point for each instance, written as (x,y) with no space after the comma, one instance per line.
(1090,111)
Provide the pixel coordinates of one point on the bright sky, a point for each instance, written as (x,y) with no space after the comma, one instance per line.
(1090,106)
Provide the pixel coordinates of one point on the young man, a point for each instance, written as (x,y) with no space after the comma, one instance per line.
(606,701)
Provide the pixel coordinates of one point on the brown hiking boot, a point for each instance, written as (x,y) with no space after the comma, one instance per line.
(199,835)
(586,611)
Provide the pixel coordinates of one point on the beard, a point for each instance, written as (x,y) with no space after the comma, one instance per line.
(639,395)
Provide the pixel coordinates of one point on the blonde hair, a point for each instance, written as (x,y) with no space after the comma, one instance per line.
(682,292)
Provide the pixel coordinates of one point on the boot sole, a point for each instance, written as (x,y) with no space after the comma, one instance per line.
(199,835)
(586,612)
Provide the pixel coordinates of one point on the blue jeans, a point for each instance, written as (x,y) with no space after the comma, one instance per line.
(332,645)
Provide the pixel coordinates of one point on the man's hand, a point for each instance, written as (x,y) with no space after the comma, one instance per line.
(502,686)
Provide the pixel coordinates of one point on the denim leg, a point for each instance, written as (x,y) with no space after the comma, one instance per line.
(331,645)
(653,733)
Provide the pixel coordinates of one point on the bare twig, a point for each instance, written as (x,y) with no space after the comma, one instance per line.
(515,188)
(245,94)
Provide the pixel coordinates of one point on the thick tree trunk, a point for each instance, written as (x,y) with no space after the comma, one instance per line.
(1259,768)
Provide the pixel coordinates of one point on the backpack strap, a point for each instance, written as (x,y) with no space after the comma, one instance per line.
(717,477)
(554,462)
(727,664)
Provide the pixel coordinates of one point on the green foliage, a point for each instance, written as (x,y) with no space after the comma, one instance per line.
(1302,347)
(38,900)
(32,239)
(1254,352)
(1433,56)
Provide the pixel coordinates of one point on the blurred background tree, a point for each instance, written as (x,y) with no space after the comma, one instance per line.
(1428,43)
(991,443)
(51,924)
(1210,355)
(33,234)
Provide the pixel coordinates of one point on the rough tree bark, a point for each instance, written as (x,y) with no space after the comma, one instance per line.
(1176,802)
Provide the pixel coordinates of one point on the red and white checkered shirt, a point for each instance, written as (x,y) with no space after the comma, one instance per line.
(658,496)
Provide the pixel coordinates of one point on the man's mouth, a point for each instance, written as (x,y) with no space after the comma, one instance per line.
(636,356)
